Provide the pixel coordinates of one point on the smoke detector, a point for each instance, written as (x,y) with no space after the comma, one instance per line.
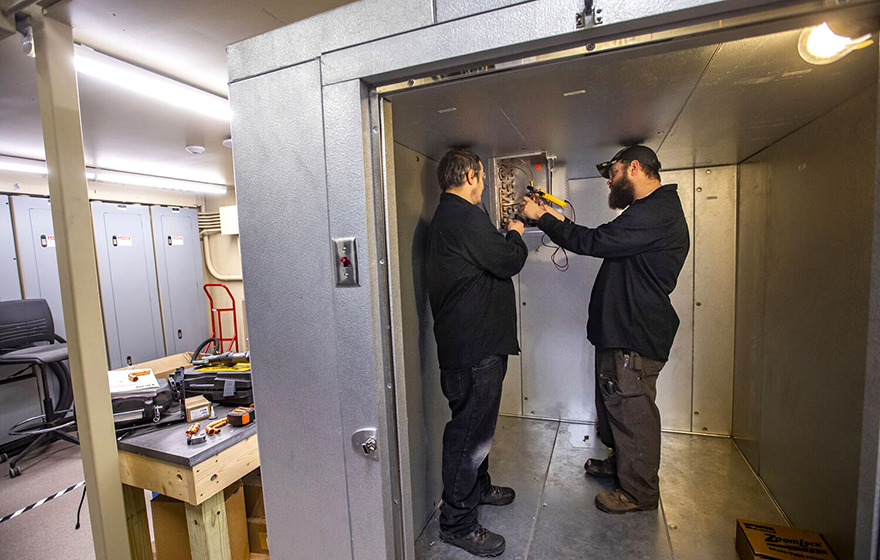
(195,150)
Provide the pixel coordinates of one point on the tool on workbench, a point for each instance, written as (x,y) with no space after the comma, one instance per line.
(196,439)
(194,429)
(214,427)
(241,416)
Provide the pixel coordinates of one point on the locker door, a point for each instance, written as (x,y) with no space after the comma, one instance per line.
(36,251)
(179,265)
(10,287)
(127,276)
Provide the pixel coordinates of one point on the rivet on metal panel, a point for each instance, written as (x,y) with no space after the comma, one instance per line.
(699,304)
(696,413)
(699,189)
(388,386)
(375,129)
(708,172)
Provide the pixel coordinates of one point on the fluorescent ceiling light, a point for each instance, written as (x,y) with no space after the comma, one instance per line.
(36,167)
(820,45)
(144,82)
(20,165)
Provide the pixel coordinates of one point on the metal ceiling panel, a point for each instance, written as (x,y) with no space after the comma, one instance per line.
(432,120)
(755,92)
(21,131)
(624,100)
(455,9)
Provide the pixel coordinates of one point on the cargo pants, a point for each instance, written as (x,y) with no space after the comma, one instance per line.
(629,421)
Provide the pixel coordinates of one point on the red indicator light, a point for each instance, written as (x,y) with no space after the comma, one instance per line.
(345,261)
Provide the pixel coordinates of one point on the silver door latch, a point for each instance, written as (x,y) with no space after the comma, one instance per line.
(364,441)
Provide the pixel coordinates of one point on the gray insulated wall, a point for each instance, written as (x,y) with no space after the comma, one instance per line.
(179,269)
(10,286)
(803,270)
(35,236)
(127,276)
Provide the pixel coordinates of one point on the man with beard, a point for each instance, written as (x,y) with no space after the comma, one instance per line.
(469,266)
(631,320)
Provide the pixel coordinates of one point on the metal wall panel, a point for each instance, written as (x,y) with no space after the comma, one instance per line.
(36,250)
(10,284)
(714,249)
(675,384)
(455,9)
(351,24)
(127,275)
(364,395)
(815,314)
(288,283)
(179,269)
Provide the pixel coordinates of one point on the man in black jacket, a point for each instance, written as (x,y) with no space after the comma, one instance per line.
(469,266)
(631,323)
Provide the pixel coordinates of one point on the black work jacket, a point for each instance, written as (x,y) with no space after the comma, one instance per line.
(643,249)
(469,266)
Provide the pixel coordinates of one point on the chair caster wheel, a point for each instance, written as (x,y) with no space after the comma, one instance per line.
(14,471)
(3,458)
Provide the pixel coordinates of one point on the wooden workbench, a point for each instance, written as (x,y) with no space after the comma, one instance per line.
(161,461)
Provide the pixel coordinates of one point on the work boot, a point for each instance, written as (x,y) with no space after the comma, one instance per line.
(480,542)
(602,468)
(616,501)
(498,496)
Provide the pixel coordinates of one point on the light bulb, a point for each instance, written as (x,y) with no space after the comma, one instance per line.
(820,45)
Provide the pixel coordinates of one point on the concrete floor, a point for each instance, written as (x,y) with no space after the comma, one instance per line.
(705,484)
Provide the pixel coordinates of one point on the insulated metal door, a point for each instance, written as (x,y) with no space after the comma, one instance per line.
(36,251)
(127,276)
(179,267)
(10,287)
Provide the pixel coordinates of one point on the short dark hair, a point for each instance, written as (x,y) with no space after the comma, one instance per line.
(454,167)
(649,171)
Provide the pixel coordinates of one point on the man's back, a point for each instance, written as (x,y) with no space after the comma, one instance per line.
(469,266)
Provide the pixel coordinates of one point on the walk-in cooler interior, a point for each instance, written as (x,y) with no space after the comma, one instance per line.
(774,160)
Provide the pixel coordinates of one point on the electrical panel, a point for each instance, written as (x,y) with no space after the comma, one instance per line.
(10,286)
(36,252)
(512,176)
(179,265)
(129,288)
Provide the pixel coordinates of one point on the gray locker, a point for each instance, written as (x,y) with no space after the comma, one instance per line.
(36,252)
(10,286)
(127,276)
(179,266)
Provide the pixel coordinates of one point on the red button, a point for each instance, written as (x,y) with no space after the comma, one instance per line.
(345,261)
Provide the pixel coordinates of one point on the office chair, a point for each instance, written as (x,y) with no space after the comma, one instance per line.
(24,324)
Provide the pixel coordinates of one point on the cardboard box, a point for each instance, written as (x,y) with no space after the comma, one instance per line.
(755,540)
(198,408)
(257,535)
(172,535)
(163,366)
(253,495)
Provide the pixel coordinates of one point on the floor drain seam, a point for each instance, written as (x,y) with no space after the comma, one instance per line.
(543,488)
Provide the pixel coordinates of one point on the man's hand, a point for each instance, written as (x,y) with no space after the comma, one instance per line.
(531,210)
(516,225)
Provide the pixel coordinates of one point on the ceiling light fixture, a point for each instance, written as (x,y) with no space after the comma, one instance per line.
(576,92)
(36,167)
(141,81)
(195,150)
(820,45)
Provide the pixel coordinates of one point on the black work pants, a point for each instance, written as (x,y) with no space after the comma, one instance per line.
(629,421)
(474,396)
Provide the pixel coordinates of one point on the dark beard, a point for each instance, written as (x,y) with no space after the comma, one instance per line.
(622,194)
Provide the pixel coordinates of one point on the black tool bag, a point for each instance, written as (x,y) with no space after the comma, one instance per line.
(131,410)
(221,387)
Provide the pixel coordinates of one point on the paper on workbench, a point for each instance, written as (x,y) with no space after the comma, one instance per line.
(121,384)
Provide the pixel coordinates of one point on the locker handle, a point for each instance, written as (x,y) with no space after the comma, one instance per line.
(169,240)
(128,360)
(179,334)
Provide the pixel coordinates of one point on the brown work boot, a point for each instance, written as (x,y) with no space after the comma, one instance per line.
(616,501)
(602,468)
(480,542)
(498,496)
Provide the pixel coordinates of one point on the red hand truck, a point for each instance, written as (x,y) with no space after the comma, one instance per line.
(217,319)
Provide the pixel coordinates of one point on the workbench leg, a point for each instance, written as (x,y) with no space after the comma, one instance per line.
(138,525)
(208,529)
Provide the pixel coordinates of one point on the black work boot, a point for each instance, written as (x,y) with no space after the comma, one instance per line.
(602,468)
(498,496)
(479,542)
